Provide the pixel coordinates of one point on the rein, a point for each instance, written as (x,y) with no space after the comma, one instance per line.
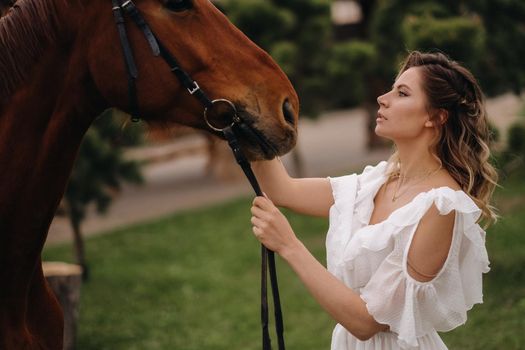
(158,49)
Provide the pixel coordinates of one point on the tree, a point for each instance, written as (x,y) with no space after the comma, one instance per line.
(502,65)
(349,68)
(485,35)
(97,175)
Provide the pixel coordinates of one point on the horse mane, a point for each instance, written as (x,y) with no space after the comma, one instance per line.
(25,31)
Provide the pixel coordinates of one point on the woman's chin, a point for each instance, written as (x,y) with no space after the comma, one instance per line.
(379,132)
(382,134)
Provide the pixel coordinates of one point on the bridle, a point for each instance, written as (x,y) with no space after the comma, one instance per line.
(228,132)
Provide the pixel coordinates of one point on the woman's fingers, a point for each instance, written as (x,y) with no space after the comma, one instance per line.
(256,231)
(258,212)
(263,203)
(257,222)
(270,226)
(258,228)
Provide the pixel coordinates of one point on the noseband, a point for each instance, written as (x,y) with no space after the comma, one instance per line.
(158,49)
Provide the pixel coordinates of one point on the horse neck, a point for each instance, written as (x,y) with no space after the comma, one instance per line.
(41,127)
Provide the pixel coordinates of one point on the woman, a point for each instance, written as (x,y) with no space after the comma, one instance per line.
(405,253)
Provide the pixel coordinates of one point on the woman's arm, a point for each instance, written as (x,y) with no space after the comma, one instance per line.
(310,196)
(342,303)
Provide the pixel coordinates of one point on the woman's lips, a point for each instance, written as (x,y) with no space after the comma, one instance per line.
(380,117)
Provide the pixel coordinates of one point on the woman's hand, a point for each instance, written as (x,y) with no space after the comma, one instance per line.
(271,227)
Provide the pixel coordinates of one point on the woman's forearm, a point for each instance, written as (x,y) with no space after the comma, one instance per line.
(274,180)
(308,196)
(273,230)
(342,303)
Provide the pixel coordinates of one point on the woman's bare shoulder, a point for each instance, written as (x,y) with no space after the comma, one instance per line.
(444,179)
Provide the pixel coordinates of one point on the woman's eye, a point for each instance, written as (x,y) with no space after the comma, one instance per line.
(178,5)
(402,94)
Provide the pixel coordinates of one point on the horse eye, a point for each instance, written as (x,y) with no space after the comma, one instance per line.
(177,5)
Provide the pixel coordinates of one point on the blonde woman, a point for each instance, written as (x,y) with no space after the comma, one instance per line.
(405,251)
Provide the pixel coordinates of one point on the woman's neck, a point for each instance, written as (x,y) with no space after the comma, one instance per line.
(415,160)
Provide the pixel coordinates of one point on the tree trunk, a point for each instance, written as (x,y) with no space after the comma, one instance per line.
(221,162)
(298,163)
(78,242)
(65,280)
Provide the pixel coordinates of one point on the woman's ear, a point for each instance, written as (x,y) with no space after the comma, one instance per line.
(440,117)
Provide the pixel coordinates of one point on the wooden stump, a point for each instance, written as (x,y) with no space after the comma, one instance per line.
(65,280)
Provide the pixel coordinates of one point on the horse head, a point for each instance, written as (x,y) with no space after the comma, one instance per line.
(224,62)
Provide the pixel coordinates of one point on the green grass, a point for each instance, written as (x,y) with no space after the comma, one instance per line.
(191,281)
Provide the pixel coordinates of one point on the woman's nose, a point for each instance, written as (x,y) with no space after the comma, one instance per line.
(381,100)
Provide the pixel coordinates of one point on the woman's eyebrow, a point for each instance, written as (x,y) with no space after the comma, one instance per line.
(400,86)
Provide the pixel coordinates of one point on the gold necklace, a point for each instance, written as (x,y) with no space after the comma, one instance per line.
(396,196)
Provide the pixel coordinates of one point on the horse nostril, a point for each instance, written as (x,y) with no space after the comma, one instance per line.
(288,113)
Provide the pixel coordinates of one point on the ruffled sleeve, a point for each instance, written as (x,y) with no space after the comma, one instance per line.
(347,191)
(341,215)
(414,309)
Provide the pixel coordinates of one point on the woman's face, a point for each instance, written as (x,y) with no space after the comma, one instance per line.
(402,111)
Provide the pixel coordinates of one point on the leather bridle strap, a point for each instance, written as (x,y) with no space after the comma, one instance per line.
(158,49)
(131,67)
(267,256)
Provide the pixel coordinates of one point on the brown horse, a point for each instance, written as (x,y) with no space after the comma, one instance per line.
(61,65)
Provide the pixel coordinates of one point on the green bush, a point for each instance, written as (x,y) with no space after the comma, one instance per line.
(513,158)
(502,65)
(286,53)
(349,64)
(517,139)
(254,17)
(463,38)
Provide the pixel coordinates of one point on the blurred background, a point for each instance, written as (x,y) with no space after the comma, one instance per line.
(159,219)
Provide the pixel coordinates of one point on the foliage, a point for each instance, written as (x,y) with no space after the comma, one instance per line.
(513,158)
(502,65)
(162,284)
(464,37)
(287,54)
(255,16)
(483,34)
(349,67)
(517,139)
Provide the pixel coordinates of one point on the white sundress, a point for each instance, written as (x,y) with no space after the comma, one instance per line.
(371,259)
